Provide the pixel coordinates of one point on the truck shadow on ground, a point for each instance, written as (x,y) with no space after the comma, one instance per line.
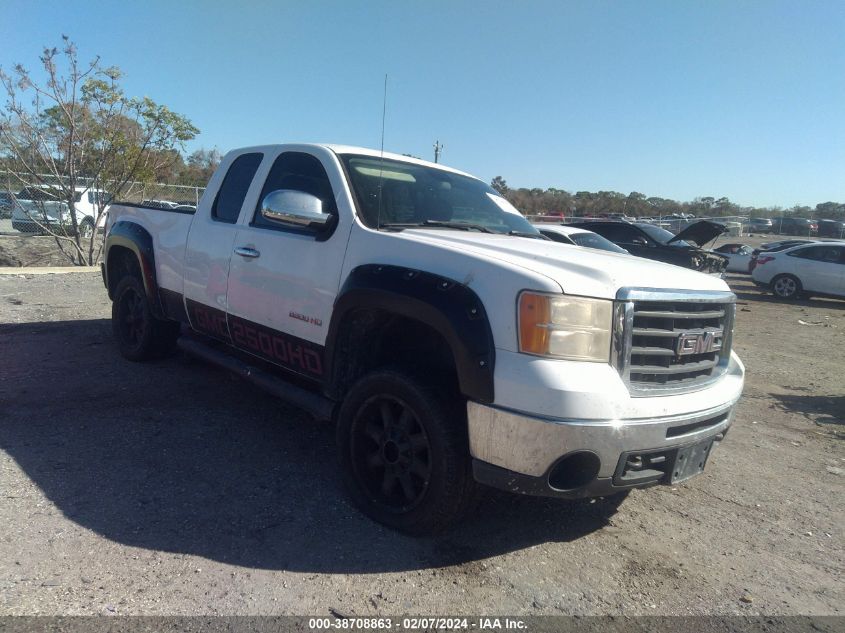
(180,457)
(823,410)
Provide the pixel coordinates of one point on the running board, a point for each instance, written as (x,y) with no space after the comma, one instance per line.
(318,406)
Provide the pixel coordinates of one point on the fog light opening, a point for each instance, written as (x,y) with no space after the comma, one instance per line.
(576,470)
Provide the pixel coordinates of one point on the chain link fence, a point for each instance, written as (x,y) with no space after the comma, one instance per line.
(28,206)
(133,191)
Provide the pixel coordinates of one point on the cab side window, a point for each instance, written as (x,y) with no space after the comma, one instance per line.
(623,235)
(299,172)
(230,198)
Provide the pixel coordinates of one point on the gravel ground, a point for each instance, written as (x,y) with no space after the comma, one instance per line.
(172,488)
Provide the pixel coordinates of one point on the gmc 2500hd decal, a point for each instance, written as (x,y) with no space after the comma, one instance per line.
(281,349)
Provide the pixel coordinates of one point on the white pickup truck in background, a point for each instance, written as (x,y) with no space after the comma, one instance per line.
(448,340)
(39,206)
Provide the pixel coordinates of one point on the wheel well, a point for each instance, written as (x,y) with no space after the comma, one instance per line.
(121,262)
(369,339)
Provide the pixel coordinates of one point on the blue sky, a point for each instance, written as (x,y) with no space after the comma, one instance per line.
(676,99)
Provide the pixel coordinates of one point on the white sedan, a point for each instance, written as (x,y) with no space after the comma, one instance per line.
(809,269)
(739,256)
(580,237)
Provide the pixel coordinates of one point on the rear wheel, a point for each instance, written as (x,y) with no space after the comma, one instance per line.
(786,287)
(404,453)
(140,336)
(86,227)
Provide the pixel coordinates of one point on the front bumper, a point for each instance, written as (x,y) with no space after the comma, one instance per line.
(583,458)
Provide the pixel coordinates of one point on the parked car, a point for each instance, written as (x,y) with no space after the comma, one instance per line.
(739,257)
(774,247)
(450,343)
(42,206)
(832,228)
(794,226)
(760,225)
(652,242)
(159,204)
(6,204)
(577,236)
(809,269)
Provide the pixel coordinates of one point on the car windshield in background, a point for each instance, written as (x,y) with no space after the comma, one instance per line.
(661,235)
(594,240)
(419,195)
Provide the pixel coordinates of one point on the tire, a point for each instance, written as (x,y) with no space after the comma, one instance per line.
(139,335)
(404,454)
(86,227)
(786,287)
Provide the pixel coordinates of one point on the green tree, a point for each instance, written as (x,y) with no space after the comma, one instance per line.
(498,183)
(77,129)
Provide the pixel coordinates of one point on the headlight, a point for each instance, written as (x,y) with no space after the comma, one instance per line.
(561,326)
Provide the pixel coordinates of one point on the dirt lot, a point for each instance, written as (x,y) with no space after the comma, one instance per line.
(171,488)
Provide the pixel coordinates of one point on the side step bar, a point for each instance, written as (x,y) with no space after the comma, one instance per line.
(318,406)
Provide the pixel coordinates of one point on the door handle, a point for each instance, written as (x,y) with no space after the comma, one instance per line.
(244,251)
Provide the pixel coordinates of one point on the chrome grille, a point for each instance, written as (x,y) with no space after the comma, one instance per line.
(664,341)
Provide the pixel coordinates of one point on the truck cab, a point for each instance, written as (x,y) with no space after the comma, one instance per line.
(450,343)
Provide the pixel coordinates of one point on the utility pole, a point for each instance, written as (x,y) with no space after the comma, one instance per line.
(437,149)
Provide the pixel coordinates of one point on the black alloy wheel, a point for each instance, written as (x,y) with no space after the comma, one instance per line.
(391,454)
(404,451)
(133,318)
(139,334)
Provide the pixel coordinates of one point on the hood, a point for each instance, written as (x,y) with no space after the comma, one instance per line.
(577,270)
(700,233)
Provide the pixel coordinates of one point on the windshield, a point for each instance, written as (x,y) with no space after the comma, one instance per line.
(594,240)
(661,235)
(416,194)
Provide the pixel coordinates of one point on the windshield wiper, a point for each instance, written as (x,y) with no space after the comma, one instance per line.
(443,224)
(535,236)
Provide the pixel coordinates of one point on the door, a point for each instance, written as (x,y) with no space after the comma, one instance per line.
(209,247)
(820,268)
(283,280)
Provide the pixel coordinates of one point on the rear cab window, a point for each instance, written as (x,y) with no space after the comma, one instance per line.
(230,198)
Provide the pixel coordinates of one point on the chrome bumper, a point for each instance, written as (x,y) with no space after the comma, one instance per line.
(526,445)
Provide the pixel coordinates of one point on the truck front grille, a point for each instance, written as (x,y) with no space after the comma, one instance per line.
(671,341)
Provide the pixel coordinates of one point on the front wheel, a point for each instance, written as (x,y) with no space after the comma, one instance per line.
(404,453)
(786,287)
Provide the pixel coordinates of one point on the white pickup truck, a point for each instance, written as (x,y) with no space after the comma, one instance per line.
(449,341)
(41,206)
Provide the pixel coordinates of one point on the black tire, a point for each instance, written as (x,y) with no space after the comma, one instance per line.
(86,227)
(404,453)
(139,335)
(786,287)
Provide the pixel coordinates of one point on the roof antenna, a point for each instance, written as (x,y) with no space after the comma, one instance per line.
(381,163)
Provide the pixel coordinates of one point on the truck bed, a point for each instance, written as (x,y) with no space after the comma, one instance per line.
(169,230)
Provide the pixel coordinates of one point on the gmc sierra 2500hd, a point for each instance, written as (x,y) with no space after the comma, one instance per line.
(448,340)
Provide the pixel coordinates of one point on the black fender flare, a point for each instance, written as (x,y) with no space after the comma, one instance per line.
(450,308)
(137,239)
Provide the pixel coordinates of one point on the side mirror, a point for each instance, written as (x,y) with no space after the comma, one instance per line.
(289,207)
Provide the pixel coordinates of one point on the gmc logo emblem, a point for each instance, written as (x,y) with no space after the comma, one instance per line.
(699,342)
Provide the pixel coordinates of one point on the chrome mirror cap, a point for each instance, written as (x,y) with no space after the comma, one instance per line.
(294,208)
